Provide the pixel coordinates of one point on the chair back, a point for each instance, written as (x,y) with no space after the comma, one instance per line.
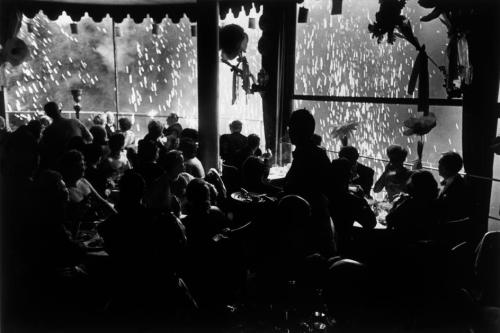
(452,233)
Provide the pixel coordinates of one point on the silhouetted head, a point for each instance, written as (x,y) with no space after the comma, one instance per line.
(172,162)
(253,171)
(350,153)
(340,174)
(155,129)
(92,153)
(301,127)
(190,133)
(147,151)
(422,185)
(72,166)
(253,141)
(316,139)
(35,128)
(172,119)
(450,164)
(99,135)
(125,124)
(52,110)
(396,154)
(116,142)
(188,148)
(198,195)
(98,119)
(132,187)
(236,126)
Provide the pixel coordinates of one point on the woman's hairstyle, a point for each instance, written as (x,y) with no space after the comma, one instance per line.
(116,142)
(198,194)
(125,124)
(396,154)
(422,185)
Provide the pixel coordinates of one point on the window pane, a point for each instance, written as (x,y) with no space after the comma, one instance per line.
(60,61)
(247,108)
(495,192)
(381,125)
(157,72)
(335,55)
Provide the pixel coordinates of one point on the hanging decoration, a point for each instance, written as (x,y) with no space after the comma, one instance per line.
(233,43)
(455,15)
(336,7)
(74,28)
(344,132)
(15,52)
(303,13)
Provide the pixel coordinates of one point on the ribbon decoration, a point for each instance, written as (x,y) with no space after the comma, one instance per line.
(420,72)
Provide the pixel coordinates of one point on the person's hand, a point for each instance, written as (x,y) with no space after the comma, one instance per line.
(417,165)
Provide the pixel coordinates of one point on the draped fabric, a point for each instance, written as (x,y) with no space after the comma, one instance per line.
(480,112)
(136,9)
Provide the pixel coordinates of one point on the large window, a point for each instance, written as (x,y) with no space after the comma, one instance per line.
(247,108)
(156,67)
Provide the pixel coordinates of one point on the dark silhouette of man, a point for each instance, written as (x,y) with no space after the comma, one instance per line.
(360,174)
(231,144)
(58,134)
(453,202)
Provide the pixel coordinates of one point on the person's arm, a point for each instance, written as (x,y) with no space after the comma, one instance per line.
(380,184)
(86,135)
(103,203)
(364,214)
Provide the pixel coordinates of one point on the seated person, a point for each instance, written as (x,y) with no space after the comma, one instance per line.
(85,204)
(161,196)
(173,126)
(53,248)
(146,165)
(211,269)
(346,207)
(147,245)
(395,175)
(414,215)
(254,177)
(230,144)
(117,160)
(126,129)
(192,164)
(453,201)
(155,134)
(94,173)
(190,133)
(361,175)
(253,143)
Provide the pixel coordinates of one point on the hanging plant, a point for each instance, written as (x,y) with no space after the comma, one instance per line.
(419,126)
(344,132)
(15,51)
(387,19)
(455,15)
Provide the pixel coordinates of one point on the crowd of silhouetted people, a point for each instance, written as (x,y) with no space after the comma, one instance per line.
(169,237)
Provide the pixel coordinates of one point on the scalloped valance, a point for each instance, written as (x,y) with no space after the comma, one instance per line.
(136,9)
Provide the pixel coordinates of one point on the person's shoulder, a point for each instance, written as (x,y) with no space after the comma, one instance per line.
(365,169)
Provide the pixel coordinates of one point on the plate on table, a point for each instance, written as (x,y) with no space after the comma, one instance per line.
(248,197)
